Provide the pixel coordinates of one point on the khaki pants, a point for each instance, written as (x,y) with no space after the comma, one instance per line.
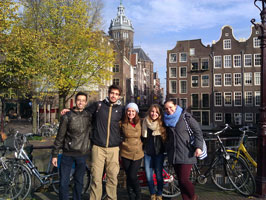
(107,158)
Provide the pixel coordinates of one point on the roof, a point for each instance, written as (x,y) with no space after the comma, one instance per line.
(141,54)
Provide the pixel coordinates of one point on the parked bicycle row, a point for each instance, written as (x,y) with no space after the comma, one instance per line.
(96,128)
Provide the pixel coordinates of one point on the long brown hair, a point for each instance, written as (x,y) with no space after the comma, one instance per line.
(135,120)
(160,119)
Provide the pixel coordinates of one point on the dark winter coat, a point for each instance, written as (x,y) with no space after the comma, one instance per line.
(178,148)
(153,145)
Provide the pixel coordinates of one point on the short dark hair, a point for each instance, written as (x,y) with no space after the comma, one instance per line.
(81,93)
(169,100)
(114,87)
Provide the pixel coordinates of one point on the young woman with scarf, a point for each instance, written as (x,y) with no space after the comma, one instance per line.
(131,150)
(180,154)
(154,134)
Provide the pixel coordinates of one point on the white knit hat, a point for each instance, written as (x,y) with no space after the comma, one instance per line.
(134,106)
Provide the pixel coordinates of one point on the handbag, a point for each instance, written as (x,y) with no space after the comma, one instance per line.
(192,140)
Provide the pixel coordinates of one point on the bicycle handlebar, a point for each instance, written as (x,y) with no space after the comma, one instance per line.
(221,131)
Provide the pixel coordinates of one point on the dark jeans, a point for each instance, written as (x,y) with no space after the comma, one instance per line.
(186,187)
(66,164)
(154,163)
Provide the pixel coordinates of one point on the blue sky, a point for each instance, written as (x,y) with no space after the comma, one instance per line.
(159,24)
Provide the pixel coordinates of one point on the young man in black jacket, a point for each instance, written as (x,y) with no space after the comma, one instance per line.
(74,139)
(106,140)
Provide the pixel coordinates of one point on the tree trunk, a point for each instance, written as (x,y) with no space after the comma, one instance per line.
(62,102)
(34,116)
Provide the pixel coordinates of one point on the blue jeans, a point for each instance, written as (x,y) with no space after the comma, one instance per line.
(154,163)
(66,164)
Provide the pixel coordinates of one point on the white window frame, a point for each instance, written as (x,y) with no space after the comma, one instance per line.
(227,79)
(180,86)
(227,44)
(218,117)
(220,96)
(237,60)
(257,57)
(217,60)
(257,96)
(202,81)
(204,59)
(192,81)
(170,58)
(248,78)
(170,87)
(256,42)
(248,98)
(196,60)
(257,77)
(214,78)
(248,119)
(202,100)
(181,57)
(192,51)
(198,103)
(115,80)
(170,72)
(227,61)
(180,72)
(248,60)
(237,78)
(227,94)
(239,95)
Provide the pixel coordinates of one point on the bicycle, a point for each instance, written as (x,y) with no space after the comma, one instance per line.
(50,176)
(48,130)
(225,172)
(13,177)
(241,151)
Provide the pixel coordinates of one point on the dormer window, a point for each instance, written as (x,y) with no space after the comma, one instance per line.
(227,44)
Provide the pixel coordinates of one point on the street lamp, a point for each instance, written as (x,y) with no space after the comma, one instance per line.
(261,170)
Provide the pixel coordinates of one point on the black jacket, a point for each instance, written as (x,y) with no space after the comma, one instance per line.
(178,148)
(153,145)
(74,134)
(106,118)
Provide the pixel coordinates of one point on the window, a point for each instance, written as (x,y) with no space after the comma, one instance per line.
(237,79)
(227,79)
(256,78)
(205,101)
(217,61)
(183,87)
(174,100)
(247,60)
(183,57)
(227,61)
(237,60)
(257,60)
(227,44)
(195,65)
(218,117)
(183,72)
(248,98)
(217,79)
(116,81)
(227,99)
(204,63)
(192,51)
(173,87)
(173,72)
(228,118)
(205,121)
(257,98)
(238,118)
(196,115)
(249,117)
(194,100)
(218,99)
(116,68)
(237,98)
(248,78)
(205,81)
(194,81)
(183,103)
(173,58)
(256,42)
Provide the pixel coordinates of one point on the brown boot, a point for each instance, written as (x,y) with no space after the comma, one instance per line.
(153,197)
(159,198)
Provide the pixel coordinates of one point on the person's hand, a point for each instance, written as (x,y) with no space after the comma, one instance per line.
(54,162)
(64,111)
(198,152)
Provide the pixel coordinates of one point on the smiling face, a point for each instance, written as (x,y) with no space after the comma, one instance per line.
(170,108)
(81,102)
(131,114)
(154,114)
(114,95)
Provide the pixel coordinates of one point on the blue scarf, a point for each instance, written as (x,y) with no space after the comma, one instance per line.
(171,120)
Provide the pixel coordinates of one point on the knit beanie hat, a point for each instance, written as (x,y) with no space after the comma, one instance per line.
(134,106)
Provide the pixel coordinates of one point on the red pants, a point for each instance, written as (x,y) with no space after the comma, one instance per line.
(186,187)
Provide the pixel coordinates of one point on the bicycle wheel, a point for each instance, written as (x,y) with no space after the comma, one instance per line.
(55,180)
(240,176)
(15,181)
(171,186)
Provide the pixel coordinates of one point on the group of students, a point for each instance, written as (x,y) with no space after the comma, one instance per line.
(109,131)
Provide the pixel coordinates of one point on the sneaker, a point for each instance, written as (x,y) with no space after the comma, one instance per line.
(153,197)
